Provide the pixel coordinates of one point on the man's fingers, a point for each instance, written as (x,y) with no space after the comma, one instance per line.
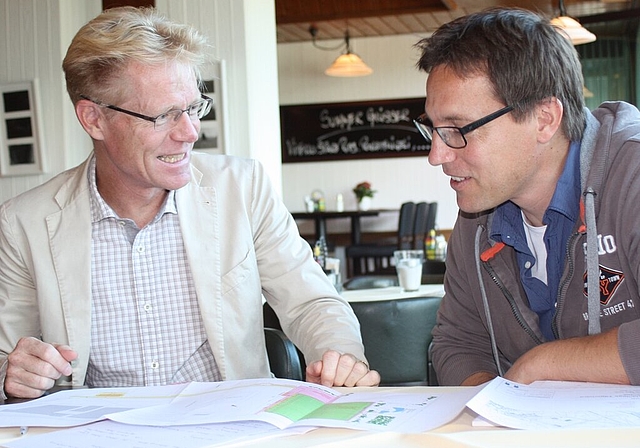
(349,370)
(358,371)
(68,354)
(330,360)
(23,383)
(33,366)
(337,369)
(372,378)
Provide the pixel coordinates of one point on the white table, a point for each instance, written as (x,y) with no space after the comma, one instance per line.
(391,293)
(458,433)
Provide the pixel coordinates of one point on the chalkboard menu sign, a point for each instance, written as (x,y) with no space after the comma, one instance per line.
(346,131)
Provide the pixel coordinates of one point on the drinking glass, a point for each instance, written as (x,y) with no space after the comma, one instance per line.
(409,268)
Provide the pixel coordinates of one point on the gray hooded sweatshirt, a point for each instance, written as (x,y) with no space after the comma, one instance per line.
(485,323)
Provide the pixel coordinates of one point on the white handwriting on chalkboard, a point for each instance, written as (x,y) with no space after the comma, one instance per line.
(373,117)
(300,149)
(388,144)
(342,121)
(345,146)
(387,116)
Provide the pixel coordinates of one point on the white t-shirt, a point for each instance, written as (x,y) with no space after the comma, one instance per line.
(535,241)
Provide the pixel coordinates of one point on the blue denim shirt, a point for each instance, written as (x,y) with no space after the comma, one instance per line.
(560,219)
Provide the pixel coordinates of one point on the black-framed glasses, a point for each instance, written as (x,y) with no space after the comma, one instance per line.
(168,119)
(453,136)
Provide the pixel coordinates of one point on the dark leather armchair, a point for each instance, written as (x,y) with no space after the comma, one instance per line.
(283,355)
(396,336)
(370,281)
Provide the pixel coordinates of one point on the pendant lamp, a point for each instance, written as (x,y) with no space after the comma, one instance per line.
(572,29)
(348,64)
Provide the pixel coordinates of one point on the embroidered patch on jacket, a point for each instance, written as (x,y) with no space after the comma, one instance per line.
(609,282)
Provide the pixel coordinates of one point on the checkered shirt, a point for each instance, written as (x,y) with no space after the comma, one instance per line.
(146,326)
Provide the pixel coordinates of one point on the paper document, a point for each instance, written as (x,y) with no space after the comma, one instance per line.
(107,434)
(81,406)
(288,403)
(279,402)
(555,404)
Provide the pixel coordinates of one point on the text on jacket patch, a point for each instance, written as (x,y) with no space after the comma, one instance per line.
(606,245)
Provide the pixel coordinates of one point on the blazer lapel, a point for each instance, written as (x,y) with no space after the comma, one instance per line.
(199,222)
(70,246)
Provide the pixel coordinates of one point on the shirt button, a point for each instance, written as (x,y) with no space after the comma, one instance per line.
(140,249)
(147,307)
(122,223)
(155,364)
(527,265)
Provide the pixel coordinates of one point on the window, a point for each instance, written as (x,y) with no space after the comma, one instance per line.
(19,140)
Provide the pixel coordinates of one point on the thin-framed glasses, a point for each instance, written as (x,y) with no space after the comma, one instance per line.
(453,136)
(168,119)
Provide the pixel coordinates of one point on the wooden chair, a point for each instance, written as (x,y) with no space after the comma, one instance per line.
(425,221)
(431,216)
(376,258)
(420,225)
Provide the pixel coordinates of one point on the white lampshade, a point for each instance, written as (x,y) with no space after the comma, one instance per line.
(576,33)
(348,64)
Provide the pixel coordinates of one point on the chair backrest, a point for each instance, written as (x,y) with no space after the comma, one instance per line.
(370,281)
(420,226)
(396,336)
(431,216)
(433,272)
(272,321)
(406,222)
(284,360)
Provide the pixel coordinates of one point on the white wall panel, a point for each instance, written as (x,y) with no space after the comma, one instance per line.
(244,37)
(31,48)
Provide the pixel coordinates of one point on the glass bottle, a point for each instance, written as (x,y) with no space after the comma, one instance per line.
(430,245)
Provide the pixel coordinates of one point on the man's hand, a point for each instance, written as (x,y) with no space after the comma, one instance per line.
(341,370)
(34,366)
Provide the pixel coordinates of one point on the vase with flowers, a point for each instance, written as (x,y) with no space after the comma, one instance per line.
(364,193)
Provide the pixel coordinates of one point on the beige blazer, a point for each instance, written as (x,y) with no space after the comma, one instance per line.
(241,242)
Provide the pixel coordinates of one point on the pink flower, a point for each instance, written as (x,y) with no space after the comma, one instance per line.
(363,189)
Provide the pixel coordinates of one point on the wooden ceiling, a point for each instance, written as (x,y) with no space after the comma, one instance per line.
(365,18)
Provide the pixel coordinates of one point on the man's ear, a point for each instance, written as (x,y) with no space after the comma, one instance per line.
(549,113)
(91,118)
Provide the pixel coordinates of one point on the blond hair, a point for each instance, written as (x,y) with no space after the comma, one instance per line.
(104,47)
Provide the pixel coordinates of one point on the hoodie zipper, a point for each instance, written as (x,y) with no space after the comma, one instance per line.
(562,288)
(512,303)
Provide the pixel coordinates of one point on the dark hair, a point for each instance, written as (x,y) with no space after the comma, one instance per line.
(526,59)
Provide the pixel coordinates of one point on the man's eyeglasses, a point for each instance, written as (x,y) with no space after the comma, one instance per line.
(168,119)
(453,136)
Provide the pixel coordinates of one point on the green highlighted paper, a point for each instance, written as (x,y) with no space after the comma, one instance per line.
(299,406)
(339,411)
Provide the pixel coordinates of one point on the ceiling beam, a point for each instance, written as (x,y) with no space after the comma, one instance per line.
(298,11)
(623,14)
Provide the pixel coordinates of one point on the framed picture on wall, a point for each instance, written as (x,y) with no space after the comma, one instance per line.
(20,144)
(211,125)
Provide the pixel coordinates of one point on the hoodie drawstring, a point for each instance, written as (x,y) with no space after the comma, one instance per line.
(485,302)
(593,268)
